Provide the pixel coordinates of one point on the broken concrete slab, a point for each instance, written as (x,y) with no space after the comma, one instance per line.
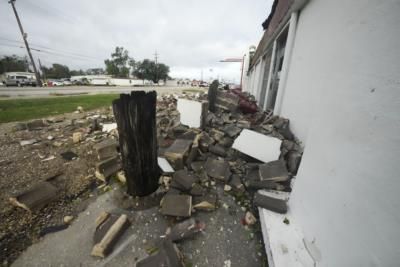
(106,149)
(249,142)
(183,180)
(164,165)
(106,168)
(107,234)
(255,185)
(108,127)
(293,161)
(35,197)
(273,201)
(184,230)
(207,202)
(167,255)
(77,137)
(274,171)
(231,130)
(177,153)
(193,113)
(227,101)
(28,142)
(218,150)
(197,190)
(218,169)
(176,205)
(35,125)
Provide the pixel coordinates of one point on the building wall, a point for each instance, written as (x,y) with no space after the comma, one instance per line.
(342,96)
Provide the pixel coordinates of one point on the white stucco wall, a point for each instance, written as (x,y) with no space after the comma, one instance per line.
(342,96)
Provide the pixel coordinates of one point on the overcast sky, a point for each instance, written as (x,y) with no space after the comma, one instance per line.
(189,36)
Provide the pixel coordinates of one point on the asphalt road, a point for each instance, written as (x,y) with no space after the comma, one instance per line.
(75,90)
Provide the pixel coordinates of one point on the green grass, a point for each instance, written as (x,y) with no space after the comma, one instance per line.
(26,109)
(194,90)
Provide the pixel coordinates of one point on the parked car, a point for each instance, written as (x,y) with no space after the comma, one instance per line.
(66,81)
(20,81)
(203,84)
(56,83)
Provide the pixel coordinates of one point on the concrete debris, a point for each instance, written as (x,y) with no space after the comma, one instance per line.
(183,180)
(106,149)
(227,101)
(193,113)
(109,127)
(107,168)
(249,218)
(176,205)
(178,152)
(28,142)
(184,230)
(218,169)
(270,203)
(35,125)
(48,158)
(68,219)
(205,203)
(121,177)
(167,255)
(77,137)
(218,150)
(227,188)
(293,161)
(231,130)
(274,171)
(107,234)
(35,197)
(164,165)
(249,143)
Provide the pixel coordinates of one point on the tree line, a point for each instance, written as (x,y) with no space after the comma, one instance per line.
(120,65)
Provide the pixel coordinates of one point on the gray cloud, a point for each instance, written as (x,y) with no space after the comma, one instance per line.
(190,36)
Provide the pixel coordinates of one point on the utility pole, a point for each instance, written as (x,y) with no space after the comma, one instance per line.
(41,68)
(155,60)
(25,36)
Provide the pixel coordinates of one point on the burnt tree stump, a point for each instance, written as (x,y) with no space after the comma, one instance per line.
(135,115)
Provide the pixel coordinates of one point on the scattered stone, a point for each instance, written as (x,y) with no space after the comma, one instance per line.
(28,142)
(50,137)
(250,142)
(109,127)
(178,152)
(35,125)
(227,101)
(184,230)
(19,126)
(197,166)
(293,161)
(79,109)
(183,180)
(218,169)
(121,177)
(205,203)
(77,137)
(106,168)
(168,255)
(282,125)
(197,190)
(227,188)
(52,229)
(217,150)
(164,165)
(249,218)
(68,219)
(48,158)
(69,155)
(106,149)
(216,134)
(270,203)
(255,185)
(205,142)
(107,233)
(231,130)
(35,197)
(274,171)
(176,205)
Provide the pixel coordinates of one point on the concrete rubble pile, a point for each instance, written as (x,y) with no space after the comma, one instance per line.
(249,153)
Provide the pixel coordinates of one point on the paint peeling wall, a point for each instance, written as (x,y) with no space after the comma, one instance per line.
(343,99)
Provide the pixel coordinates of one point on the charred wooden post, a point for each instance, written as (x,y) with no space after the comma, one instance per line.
(212,95)
(135,115)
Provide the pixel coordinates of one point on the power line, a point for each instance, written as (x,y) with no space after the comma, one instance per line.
(42,48)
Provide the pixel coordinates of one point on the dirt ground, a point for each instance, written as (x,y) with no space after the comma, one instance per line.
(24,166)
